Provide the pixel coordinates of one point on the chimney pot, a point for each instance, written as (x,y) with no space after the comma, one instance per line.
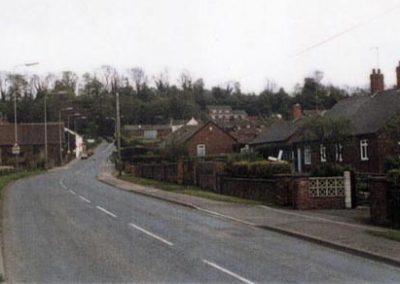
(377,81)
(296,112)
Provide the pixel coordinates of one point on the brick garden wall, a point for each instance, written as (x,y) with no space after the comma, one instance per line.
(283,190)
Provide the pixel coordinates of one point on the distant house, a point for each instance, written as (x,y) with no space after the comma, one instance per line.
(223,112)
(156,131)
(204,139)
(31,139)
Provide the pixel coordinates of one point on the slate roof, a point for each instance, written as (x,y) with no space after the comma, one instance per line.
(30,133)
(279,131)
(219,107)
(183,134)
(367,114)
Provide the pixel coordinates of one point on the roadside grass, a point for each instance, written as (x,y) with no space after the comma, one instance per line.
(8,178)
(189,190)
(393,235)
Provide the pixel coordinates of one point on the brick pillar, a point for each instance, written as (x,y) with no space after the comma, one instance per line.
(179,172)
(301,198)
(379,212)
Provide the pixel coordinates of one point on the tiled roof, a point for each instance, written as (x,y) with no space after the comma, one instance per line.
(219,107)
(279,131)
(30,133)
(367,114)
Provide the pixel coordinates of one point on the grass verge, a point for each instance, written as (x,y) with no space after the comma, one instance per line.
(8,178)
(391,235)
(189,190)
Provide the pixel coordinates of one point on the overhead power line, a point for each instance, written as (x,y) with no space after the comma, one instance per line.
(339,34)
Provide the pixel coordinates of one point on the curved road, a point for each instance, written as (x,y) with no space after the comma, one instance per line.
(66,226)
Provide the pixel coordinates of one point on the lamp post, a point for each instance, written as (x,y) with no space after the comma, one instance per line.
(62,130)
(16,148)
(118,133)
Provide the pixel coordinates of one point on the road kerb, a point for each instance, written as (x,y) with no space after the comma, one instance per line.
(355,251)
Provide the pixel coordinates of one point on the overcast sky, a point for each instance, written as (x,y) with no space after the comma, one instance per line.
(217,40)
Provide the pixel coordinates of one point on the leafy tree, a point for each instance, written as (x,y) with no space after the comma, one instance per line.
(329,132)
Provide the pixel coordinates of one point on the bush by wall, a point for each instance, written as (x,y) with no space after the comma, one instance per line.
(258,169)
(329,170)
(393,177)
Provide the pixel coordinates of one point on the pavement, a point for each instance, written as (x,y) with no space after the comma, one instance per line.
(66,226)
(345,229)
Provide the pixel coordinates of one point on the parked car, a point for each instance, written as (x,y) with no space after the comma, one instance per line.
(84,156)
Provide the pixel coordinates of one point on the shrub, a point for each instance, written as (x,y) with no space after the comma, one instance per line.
(392,163)
(245,156)
(329,170)
(258,169)
(393,178)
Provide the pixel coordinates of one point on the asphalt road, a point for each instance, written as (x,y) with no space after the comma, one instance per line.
(66,226)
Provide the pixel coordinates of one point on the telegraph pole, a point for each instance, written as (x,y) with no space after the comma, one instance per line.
(118,133)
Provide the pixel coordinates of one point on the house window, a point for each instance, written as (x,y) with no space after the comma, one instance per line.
(307,155)
(201,150)
(364,149)
(322,152)
(338,152)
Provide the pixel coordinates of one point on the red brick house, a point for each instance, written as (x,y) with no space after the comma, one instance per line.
(31,139)
(368,145)
(204,139)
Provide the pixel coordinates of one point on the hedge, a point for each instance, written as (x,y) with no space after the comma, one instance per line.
(258,169)
(393,177)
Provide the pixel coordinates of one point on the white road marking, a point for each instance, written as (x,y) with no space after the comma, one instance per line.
(72,192)
(84,199)
(227,271)
(151,234)
(62,184)
(106,211)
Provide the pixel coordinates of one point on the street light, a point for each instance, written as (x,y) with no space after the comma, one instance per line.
(16,148)
(61,131)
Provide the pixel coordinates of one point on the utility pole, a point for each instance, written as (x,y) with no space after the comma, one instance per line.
(45,133)
(118,134)
(16,146)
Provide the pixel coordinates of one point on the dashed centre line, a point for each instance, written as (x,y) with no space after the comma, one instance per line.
(106,211)
(72,192)
(151,234)
(216,266)
(84,199)
(62,184)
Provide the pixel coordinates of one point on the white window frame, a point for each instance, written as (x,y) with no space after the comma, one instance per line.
(339,152)
(307,155)
(322,153)
(200,150)
(364,150)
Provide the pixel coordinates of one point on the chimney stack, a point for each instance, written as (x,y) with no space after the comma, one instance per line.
(377,82)
(398,76)
(296,112)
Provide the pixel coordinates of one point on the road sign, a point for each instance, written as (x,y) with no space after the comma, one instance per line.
(16,149)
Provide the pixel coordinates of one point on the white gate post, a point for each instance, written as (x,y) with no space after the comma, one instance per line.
(347,189)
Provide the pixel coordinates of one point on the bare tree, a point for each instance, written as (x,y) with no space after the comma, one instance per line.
(185,80)
(138,77)
(3,85)
(162,80)
(270,86)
